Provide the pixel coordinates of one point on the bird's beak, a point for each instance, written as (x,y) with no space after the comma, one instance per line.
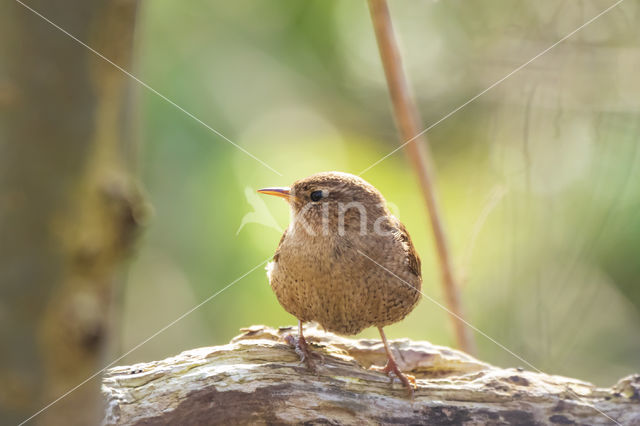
(283,192)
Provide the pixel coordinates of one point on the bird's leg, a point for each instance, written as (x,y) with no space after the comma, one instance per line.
(407,380)
(301,347)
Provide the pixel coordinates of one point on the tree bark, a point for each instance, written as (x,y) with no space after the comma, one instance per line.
(258,378)
(69,207)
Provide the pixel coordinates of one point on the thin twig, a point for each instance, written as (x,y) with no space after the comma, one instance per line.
(408,123)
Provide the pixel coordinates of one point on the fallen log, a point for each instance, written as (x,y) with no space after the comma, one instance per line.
(258,378)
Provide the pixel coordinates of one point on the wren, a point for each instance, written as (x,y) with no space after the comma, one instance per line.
(344,262)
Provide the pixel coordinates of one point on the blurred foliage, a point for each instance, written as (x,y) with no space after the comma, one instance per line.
(539,178)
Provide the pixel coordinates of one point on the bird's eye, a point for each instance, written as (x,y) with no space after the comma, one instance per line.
(316,195)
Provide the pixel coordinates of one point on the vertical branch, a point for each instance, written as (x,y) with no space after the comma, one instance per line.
(70,207)
(408,123)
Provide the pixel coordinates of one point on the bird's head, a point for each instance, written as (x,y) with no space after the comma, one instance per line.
(333,201)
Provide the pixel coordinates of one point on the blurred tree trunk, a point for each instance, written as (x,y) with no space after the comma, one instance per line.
(69,207)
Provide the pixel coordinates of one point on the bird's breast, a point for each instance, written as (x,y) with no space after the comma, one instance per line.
(327,280)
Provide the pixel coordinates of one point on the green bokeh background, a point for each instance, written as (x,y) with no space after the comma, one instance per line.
(539,178)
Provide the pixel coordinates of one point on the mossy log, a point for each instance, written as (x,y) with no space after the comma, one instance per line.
(258,378)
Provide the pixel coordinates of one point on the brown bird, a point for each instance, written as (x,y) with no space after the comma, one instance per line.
(344,261)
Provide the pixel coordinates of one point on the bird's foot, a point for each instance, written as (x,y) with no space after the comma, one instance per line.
(302,349)
(407,380)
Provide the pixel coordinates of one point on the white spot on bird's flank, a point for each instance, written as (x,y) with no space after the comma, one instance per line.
(269,269)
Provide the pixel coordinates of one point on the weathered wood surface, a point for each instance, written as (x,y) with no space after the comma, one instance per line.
(258,378)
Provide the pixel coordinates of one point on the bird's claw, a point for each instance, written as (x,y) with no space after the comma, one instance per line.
(407,380)
(385,370)
(302,349)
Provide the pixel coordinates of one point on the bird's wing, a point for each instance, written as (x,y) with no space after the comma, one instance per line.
(413,260)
